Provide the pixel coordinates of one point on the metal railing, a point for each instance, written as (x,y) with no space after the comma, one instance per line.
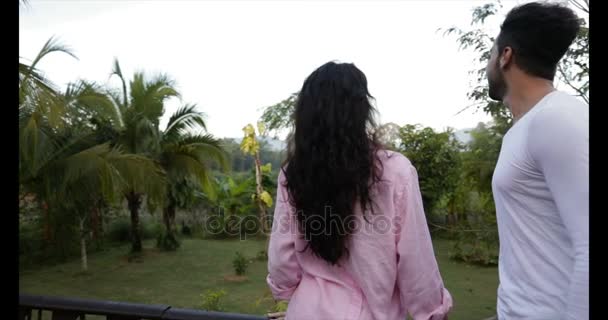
(31,307)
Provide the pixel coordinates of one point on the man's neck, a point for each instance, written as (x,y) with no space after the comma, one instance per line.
(526,94)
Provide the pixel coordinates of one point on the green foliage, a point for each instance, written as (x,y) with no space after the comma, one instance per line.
(240,264)
(240,162)
(167,241)
(119,230)
(279,116)
(280,306)
(436,158)
(212,300)
(233,212)
(477,232)
(477,239)
(481,155)
(34,249)
(573,69)
(186,231)
(262,255)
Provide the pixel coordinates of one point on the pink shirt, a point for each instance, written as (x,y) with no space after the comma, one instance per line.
(391,268)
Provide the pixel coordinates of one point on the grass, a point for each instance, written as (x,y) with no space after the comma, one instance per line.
(473,288)
(179,278)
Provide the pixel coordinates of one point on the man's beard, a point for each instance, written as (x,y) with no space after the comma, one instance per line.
(497,87)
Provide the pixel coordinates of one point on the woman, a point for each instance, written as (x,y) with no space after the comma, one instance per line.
(349,237)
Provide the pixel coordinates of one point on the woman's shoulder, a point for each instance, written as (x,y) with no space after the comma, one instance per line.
(393,159)
(395,166)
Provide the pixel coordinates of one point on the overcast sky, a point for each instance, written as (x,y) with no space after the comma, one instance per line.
(234,57)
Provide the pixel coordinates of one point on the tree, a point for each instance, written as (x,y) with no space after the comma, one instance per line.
(573,69)
(184,157)
(250,145)
(481,156)
(67,167)
(279,116)
(435,156)
(140,109)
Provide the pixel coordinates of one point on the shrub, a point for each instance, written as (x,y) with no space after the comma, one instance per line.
(186,230)
(280,306)
(151,229)
(212,300)
(119,230)
(240,264)
(262,255)
(167,242)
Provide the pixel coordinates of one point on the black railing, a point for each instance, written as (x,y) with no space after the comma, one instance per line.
(31,307)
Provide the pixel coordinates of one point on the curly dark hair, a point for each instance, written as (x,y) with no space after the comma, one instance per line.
(332,160)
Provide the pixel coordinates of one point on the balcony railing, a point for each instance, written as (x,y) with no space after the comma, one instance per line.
(31,307)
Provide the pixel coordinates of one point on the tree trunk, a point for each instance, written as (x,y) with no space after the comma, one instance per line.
(95,221)
(83,246)
(134,202)
(169,217)
(47,221)
(259,190)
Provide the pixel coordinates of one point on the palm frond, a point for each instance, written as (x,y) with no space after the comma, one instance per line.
(142,175)
(185,117)
(36,140)
(91,98)
(118,72)
(148,97)
(185,164)
(31,79)
(51,45)
(47,148)
(207,147)
(35,91)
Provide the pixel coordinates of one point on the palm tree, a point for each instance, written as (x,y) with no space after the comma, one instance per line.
(36,92)
(68,167)
(185,156)
(140,108)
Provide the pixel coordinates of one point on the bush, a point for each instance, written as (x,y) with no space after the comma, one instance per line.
(211,300)
(262,255)
(280,306)
(240,264)
(186,231)
(151,229)
(167,242)
(479,244)
(63,244)
(119,230)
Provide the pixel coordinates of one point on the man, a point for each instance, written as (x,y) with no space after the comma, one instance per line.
(541,180)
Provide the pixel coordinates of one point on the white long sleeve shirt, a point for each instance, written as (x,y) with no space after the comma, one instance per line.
(541,191)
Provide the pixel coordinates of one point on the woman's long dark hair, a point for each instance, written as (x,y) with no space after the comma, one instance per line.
(331,160)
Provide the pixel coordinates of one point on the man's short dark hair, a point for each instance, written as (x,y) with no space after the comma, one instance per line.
(539,35)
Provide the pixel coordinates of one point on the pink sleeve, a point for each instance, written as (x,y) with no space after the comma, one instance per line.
(284,272)
(422,292)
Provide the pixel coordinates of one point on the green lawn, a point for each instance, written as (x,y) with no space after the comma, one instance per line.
(179,278)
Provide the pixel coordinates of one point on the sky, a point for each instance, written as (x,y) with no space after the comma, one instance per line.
(232,58)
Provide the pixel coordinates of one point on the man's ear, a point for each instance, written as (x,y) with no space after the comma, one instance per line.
(506,57)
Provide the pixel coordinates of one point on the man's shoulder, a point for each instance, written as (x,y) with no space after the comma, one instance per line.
(561,109)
